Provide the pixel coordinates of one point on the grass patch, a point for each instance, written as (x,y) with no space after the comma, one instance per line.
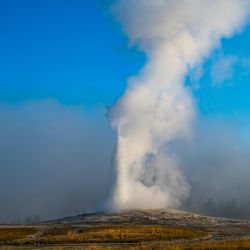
(135,234)
(113,238)
(10,234)
(221,245)
(109,234)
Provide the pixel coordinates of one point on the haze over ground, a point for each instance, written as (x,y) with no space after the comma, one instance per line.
(62,63)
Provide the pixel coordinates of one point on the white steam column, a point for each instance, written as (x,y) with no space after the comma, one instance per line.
(157,108)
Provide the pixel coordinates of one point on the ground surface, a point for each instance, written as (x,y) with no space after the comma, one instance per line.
(137,229)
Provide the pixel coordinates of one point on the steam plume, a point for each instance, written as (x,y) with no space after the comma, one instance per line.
(157,108)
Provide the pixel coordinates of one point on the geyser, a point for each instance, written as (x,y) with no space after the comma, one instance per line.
(156,107)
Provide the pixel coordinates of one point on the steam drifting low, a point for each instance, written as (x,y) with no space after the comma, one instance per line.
(157,108)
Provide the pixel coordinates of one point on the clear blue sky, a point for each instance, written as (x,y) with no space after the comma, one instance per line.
(72,51)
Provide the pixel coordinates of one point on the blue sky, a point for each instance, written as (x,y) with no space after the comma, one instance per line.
(67,50)
(72,51)
(231,95)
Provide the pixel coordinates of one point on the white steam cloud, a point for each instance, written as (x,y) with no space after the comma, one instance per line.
(157,108)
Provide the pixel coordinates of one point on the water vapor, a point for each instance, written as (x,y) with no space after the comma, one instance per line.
(157,108)
(49,163)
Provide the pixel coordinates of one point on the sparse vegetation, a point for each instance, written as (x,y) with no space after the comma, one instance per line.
(135,234)
(9,234)
(135,230)
(242,244)
(110,234)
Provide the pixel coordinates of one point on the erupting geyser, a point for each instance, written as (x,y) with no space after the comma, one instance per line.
(157,108)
